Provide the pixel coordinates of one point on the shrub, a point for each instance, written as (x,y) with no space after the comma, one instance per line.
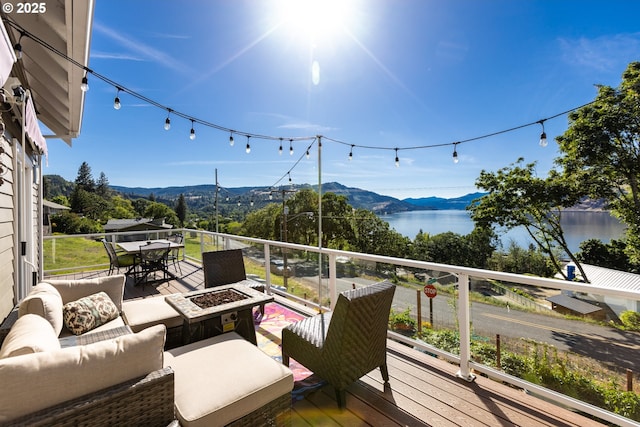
(630,320)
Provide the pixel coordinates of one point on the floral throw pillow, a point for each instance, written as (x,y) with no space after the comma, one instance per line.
(89,312)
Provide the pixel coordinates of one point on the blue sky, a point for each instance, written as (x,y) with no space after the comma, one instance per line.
(388,74)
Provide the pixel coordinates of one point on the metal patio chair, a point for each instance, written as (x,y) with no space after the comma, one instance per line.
(152,258)
(117,261)
(343,345)
(174,254)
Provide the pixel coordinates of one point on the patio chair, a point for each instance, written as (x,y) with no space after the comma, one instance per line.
(152,258)
(346,344)
(174,253)
(117,261)
(227,267)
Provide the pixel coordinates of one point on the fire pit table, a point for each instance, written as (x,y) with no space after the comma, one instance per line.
(214,311)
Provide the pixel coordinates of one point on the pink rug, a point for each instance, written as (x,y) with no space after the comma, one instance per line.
(269,336)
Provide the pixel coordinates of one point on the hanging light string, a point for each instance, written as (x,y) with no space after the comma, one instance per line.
(287,174)
(122,89)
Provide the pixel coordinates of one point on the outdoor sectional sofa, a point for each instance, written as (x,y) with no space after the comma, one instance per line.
(122,374)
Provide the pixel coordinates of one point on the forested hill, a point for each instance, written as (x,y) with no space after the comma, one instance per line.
(199,195)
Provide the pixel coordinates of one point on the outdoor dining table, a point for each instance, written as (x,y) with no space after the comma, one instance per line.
(135,247)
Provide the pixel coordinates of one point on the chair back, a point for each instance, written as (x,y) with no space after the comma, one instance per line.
(154,252)
(357,333)
(223,267)
(113,257)
(176,238)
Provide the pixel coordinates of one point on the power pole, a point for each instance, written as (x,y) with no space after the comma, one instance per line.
(283,231)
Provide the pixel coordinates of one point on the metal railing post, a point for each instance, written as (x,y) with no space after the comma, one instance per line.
(464,323)
(267,265)
(333,291)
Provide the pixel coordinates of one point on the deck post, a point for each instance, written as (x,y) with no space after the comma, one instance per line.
(464,323)
(267,267)
(333,291)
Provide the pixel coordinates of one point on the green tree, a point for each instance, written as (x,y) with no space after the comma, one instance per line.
(84,180)
(121,208)
(181,210)
(610,255)
(601,150)
(263,223)
(517,197)
(102,186)
(157,210)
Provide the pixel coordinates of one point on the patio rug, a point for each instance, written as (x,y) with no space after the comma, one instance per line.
(269,337)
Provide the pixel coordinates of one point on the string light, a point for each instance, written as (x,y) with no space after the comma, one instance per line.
(116,100)
(280,149)
(117,105)
(455,153)
(248,149)
(289,173)
(543,135)
(167,121)
(192,134)
(231,141)
(351,153)
(18,46)
(397,159)
(307,154)
(84,86)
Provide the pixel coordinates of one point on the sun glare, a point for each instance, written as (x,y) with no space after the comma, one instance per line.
(314,20)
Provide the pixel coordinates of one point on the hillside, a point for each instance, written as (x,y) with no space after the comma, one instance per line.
(457,203)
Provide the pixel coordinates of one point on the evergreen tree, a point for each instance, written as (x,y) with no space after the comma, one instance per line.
(181,210)
(84,180)
(102,186)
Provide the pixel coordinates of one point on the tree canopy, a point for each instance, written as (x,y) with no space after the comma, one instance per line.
(601,151)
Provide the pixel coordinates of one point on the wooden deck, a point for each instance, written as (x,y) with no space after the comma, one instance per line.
(423,390)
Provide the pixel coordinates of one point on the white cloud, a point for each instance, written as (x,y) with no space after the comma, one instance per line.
(603,54)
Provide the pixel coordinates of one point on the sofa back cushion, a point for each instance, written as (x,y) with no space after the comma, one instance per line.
(44,300)
(30,334)
(72,290)
(37,381)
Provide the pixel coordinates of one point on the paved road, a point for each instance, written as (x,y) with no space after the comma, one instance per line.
(619,348)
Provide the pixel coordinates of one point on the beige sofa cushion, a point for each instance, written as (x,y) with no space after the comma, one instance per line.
(72,290)
(142,313)
(30,334)
(44,300)
(38,381)
(221,379)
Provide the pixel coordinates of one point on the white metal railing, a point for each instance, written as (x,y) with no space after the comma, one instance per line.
(463,275)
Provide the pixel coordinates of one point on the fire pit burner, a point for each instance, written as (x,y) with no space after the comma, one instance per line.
(215,298)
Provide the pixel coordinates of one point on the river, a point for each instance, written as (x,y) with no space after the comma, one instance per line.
(577,225)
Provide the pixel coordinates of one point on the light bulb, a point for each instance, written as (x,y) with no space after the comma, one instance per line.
(18,50)
(280,149)
(290,147)
(455,156)
(351,153)
(192,135)
(167,124)
(231,141)
(248,148)
(84,86)
(543,139)
(307,154)
(116,103)
(397,159)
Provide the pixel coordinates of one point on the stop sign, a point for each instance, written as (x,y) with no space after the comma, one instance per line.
(430,291)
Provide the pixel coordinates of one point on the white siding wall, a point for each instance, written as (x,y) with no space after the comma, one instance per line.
(7,240)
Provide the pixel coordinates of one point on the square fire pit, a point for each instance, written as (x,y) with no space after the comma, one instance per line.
(213,311)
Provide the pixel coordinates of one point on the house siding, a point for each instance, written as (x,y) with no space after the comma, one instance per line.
(7,236)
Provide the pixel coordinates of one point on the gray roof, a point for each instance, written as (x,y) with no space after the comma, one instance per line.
(54,205)
(574,304)
(612,279)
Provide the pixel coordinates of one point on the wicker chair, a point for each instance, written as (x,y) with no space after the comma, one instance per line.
(227,267)
(343,345)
